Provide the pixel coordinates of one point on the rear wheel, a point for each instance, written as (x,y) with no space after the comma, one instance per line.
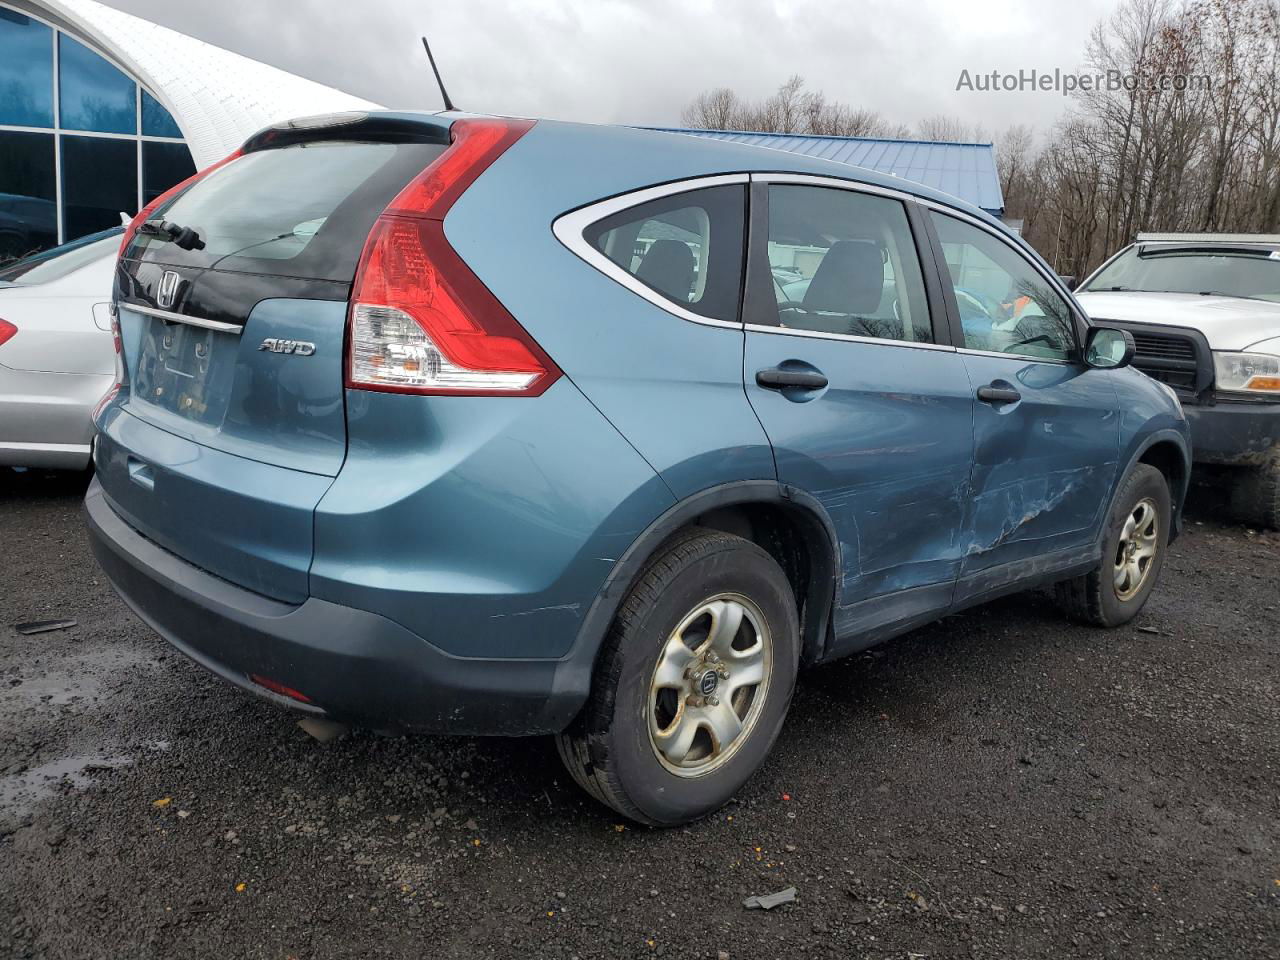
(693,682)
(1132,553)
(1255,497)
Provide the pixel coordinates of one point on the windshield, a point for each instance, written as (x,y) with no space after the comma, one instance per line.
(60,261)
(1233,273)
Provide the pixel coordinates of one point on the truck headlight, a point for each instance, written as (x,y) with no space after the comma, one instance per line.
(1247,372)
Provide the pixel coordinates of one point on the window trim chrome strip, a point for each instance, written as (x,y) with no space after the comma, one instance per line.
(1020,356)
(852,338)
(819,180)
(170,317)
(570,227)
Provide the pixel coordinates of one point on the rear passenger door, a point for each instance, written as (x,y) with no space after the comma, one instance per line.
(1046,431)
(867,406)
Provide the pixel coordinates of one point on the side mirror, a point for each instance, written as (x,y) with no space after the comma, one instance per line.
(1069,282)
(1109,348)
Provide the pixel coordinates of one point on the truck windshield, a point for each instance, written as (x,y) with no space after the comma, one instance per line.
(1234,274)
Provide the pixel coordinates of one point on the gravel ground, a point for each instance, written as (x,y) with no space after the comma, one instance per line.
(1000,784)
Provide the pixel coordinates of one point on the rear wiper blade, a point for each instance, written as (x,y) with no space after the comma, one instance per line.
(183,237)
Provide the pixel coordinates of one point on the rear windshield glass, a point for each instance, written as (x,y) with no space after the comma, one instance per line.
(60,261)
(1170,270)
(302,210)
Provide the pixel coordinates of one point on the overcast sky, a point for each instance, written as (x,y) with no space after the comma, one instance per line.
(641,61)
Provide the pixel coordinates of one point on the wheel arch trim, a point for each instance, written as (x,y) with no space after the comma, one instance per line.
(574,673)
(1140,448)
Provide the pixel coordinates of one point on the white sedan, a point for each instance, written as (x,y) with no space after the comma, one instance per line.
(56,354)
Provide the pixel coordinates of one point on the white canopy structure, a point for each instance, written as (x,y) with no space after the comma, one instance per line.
(218,98)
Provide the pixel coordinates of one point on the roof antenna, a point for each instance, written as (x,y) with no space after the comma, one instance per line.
(448,104)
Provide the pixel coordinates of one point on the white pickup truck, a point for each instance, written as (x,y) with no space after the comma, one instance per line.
(1204,311)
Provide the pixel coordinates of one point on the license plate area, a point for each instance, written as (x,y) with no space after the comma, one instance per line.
(186,370)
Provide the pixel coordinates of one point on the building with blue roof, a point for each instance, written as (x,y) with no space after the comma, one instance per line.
(964,170)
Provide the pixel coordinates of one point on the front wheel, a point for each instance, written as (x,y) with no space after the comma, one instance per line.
(1133,549)
(1255,497)
(693,682)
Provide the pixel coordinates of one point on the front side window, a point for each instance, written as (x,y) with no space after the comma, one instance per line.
(686,247)
(1006,305)
(845,262)
(1170,268)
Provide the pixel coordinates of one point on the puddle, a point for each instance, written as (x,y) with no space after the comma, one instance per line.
(80,678)
(20,792)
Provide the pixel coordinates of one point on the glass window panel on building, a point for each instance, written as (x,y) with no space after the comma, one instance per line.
(28,208)
(156,120)
(163,165)
(99,182)
(94,94)
(118,145)
(26,71)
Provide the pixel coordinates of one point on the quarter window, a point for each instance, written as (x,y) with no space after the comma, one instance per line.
(845,262)
(1005,304)
(688,247)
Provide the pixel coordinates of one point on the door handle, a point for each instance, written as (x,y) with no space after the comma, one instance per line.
(994,394)
(777,379)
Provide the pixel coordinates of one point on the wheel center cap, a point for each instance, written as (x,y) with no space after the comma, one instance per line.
(708,682)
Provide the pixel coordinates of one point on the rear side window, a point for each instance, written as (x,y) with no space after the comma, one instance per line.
(688,248)
(303,210)
(845,262)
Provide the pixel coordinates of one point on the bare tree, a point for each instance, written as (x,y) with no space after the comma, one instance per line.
(791,109)
(943,128)
(716,109)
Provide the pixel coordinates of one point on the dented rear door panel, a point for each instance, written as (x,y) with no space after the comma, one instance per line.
(885,448)
(1043,467)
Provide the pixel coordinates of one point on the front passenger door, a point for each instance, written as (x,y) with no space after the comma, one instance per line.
(1046,426)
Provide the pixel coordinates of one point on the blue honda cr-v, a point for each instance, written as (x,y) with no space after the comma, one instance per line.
(484,426)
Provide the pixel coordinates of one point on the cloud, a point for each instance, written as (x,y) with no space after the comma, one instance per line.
(641,61)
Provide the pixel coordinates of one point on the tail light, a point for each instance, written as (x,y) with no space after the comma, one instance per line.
(145,213)
(122,372)
(7,330)
(421,321)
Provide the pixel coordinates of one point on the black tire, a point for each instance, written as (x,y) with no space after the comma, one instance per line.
(1094,598)
(1255,496)
(609,750)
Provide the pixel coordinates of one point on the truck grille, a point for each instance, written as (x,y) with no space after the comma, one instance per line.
(1175,356)
(1165,347)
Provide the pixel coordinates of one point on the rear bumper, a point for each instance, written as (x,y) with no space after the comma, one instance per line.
(1235,434)
(354,666)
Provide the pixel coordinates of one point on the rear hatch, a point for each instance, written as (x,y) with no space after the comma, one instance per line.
(231,424)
